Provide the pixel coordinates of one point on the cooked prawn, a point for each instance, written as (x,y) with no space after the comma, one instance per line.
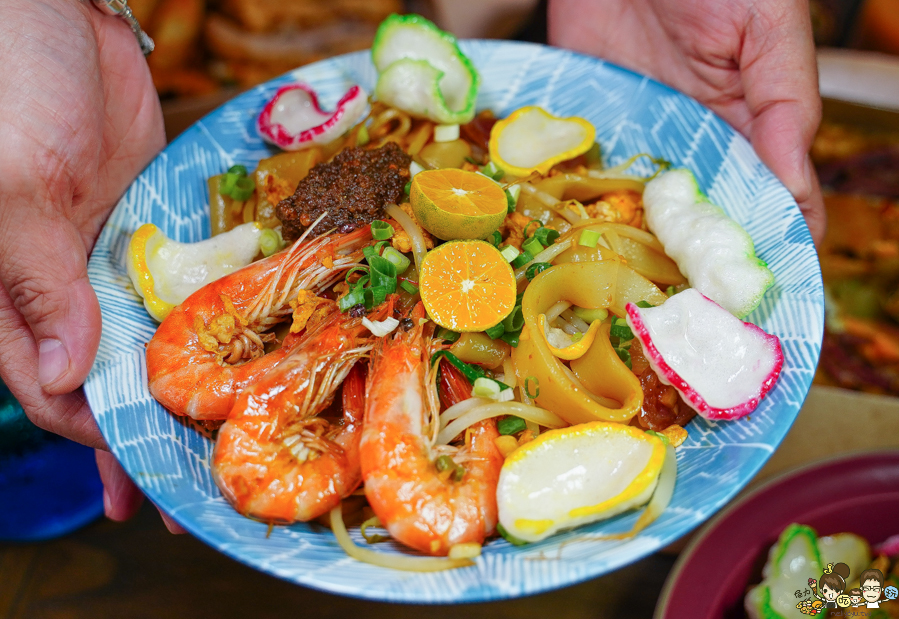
(275,460)
(212,346)
(420,506)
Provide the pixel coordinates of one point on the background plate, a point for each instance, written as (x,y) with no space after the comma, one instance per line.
(632,114)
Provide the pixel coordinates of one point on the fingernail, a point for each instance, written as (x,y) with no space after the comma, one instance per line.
(107,503)
(53,361)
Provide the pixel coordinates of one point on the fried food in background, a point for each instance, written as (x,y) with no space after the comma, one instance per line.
(202,45)
(860,257)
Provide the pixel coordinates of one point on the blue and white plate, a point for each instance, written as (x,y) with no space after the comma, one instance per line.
(633,114)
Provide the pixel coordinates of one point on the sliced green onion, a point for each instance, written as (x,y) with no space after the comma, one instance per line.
(588,238)
(511,338)
(495,331)
(535,269)
(533,246)
(376,295)
(415,168)
(383,273)
(446,133)
(354,298)
(381,230)
(471,372)
(495,238)
(589,315)
(670,291)
(485,388)
(509,537)
(362,137)
(527,387)
(527,227)
(644,304)
(370,252)
(398,260)
(459,473)
(243,188)
(408,286)
(547,236)
(509,252)
(625,356)
(522,259)
(493,171)
(511,425)
(446,334)
(621,330)
(407,188)
(512,194)
(514,321)
(229,180)
(240,170)
(270,241)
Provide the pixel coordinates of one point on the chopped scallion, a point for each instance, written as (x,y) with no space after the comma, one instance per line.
(511,338)
(547,236)
(408,287)
(522,259)
(527,387)
(620,329)
(381,230)
(270,241)
(532,246)
(399,261)
(644,304)
(512,194)
(511,425)
(240,170)
(446,334)
(514,321)
(485,388)
(444,463)
(493,171)
(495,238)
(495,331)
(588,238)
(625,356)
(509,252)
(362,136)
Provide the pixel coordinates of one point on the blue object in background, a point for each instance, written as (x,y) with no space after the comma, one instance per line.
(49,486)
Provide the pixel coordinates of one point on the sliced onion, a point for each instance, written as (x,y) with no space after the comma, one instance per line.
(383,559)
(538,415)
(419,249)
(552,202)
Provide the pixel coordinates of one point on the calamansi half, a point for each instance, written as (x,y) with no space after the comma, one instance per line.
(457,204)
(573,476)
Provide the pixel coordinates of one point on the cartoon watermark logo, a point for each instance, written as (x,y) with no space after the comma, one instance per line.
(829,591)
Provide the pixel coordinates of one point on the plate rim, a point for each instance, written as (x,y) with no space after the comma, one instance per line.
(480,595)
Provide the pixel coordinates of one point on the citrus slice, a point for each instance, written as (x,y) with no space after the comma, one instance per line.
(467,286)
(531,139)
(456,204)
(572,476)
(165,272)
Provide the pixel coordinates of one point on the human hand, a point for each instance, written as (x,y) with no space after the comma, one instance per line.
(79,118)
(751,61)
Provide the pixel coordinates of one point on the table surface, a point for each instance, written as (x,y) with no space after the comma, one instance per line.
(138,570)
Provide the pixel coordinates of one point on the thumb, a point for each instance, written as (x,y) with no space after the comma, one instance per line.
(43,266)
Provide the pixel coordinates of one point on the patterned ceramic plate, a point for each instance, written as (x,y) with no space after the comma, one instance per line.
(632,114)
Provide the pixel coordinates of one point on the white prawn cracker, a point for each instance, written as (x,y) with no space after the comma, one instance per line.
(714,252)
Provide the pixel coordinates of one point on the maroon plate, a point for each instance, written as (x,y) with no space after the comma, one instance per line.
(856,494)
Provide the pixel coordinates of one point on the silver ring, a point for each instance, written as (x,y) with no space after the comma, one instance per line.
(120,8)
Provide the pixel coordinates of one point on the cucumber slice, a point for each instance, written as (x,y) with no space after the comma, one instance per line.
(450,84)
(791,561)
